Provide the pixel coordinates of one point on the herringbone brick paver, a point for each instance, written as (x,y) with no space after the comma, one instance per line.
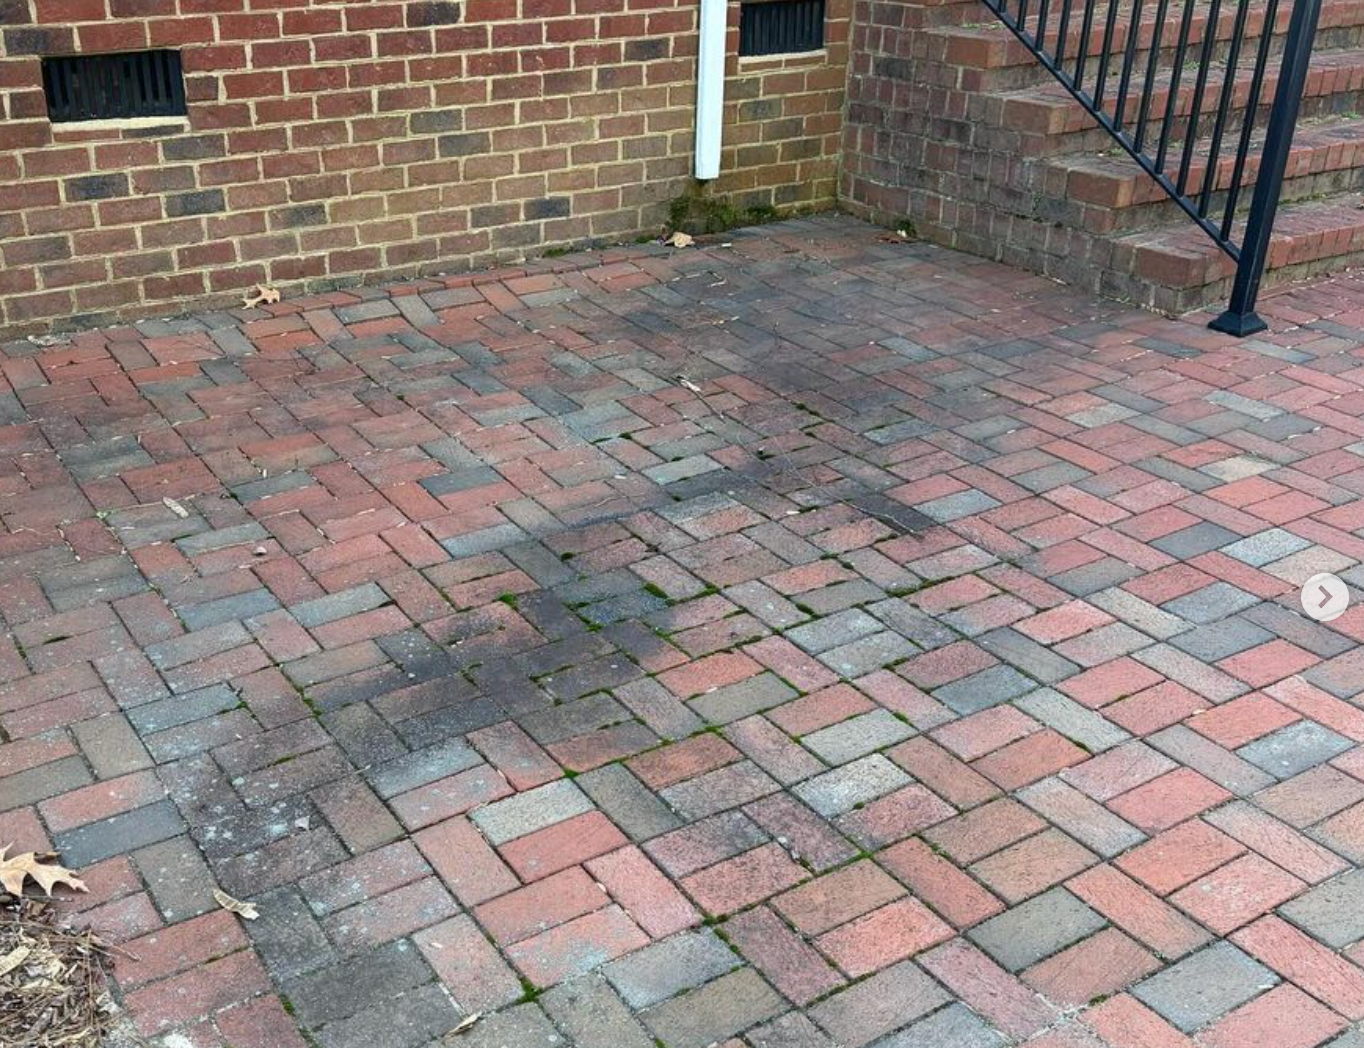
(808,640)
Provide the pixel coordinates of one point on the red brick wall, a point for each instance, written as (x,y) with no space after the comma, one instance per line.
(330,141)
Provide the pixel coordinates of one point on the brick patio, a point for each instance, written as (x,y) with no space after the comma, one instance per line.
(812,639)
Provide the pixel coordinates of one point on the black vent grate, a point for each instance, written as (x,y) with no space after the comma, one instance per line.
(104,87)
(781,27)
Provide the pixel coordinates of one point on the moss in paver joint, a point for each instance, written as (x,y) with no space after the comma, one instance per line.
(529,991)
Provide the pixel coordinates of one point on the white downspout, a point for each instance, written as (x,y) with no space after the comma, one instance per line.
(710,88)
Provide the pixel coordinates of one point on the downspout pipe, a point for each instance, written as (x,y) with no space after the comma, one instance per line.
(710,88)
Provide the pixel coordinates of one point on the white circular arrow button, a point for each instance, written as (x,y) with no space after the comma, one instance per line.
(1325,597)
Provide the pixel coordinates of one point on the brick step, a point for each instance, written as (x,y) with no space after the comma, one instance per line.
(1110,193)
(1185,269)
(1054,124)
(999,61)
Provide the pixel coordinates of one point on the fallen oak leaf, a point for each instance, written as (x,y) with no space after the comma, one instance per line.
(263,295)
(245,910)
(15,870)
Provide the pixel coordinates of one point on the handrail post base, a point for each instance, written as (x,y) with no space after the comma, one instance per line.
(1240,325)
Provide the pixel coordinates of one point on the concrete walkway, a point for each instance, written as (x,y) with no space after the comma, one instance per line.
(814,639)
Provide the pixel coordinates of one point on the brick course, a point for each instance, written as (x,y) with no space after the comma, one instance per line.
(332,142)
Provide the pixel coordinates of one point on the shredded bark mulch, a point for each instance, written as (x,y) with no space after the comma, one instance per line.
(52,980)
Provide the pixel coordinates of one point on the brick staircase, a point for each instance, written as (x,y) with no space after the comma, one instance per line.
(1001,161)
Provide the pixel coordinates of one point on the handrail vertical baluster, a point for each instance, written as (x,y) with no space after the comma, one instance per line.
(1082,52)
(1196,102)
(1128,59)
(1223,107)
(1101,76)
(1238,169)
(1176,75)
(1240,317)
(1152,61)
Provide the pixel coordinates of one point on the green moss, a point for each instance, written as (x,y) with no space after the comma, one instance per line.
(529,990)
(697,212)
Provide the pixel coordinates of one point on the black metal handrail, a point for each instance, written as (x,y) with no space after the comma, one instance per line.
(1128,109)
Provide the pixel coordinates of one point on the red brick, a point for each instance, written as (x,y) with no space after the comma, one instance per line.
(942,773)
(785,960)
(679,761)
(1098,967)
(259,1023)
(540,906)
(646,895)
(1168,800)
(1137,912)
(177,948)
(1155,708)
(709,673)
(101,800)
(1237,893)
(898,930)
(1111,681)
(469,867)
(1124,1022)
(1242,720)
(478,978)
(1302,960)
(988,989)
(562,845)
(1268,663)
(1061,623)
(1284,1017)
(895,816)
(197,993)
(1033,865)
(985,830)
(577,947)
(743,880)
(1172,859)
(514,753)
(940,884)
(980,733)
(843,895)
(1030,759)
(820,709)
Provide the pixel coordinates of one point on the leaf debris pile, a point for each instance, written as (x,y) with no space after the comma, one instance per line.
(52,985)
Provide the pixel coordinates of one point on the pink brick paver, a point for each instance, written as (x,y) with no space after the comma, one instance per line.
(804,640)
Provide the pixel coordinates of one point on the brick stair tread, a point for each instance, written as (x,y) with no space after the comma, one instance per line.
(1182,256)
(1114,181)
(1049,108)
(992,46)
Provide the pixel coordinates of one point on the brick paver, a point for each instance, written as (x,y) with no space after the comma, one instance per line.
(809,639)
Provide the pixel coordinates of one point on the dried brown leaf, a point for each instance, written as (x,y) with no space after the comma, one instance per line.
(15,870)
(467,1023)
(263,295)
(245,910)
(13,959)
